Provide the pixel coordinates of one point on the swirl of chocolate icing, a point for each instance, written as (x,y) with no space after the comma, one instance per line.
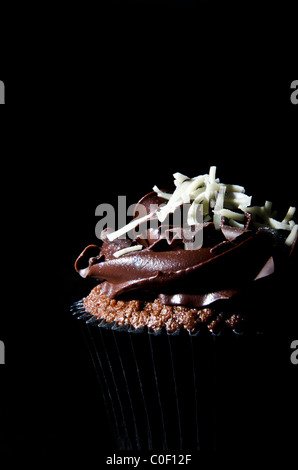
(229,261)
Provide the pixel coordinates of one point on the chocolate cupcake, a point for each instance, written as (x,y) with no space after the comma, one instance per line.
(183,313)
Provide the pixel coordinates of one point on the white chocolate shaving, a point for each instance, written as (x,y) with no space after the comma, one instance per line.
(235,199)
(292,237)
(161,194)
(278,225)
(130,249)
(179,178)
(219,206)
(218,200)
(232,215)
(235,188)
(191,215)
(289,215)
(212,172)
(236,224)
(134,223)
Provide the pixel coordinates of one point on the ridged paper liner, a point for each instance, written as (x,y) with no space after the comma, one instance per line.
(178,391)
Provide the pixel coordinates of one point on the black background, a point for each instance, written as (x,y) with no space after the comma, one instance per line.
(120,101)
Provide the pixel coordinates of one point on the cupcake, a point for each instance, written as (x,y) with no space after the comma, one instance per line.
(185,306)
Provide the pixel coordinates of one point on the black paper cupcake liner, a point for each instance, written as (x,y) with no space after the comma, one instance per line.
(179,391)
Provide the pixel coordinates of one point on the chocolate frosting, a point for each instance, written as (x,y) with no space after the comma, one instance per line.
(228,263)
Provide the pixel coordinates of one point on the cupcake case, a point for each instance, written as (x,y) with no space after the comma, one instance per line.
(181,391)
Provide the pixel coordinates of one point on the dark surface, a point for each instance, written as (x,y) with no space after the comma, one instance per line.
(164,99)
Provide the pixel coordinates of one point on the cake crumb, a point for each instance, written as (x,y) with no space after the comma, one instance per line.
(154,314)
